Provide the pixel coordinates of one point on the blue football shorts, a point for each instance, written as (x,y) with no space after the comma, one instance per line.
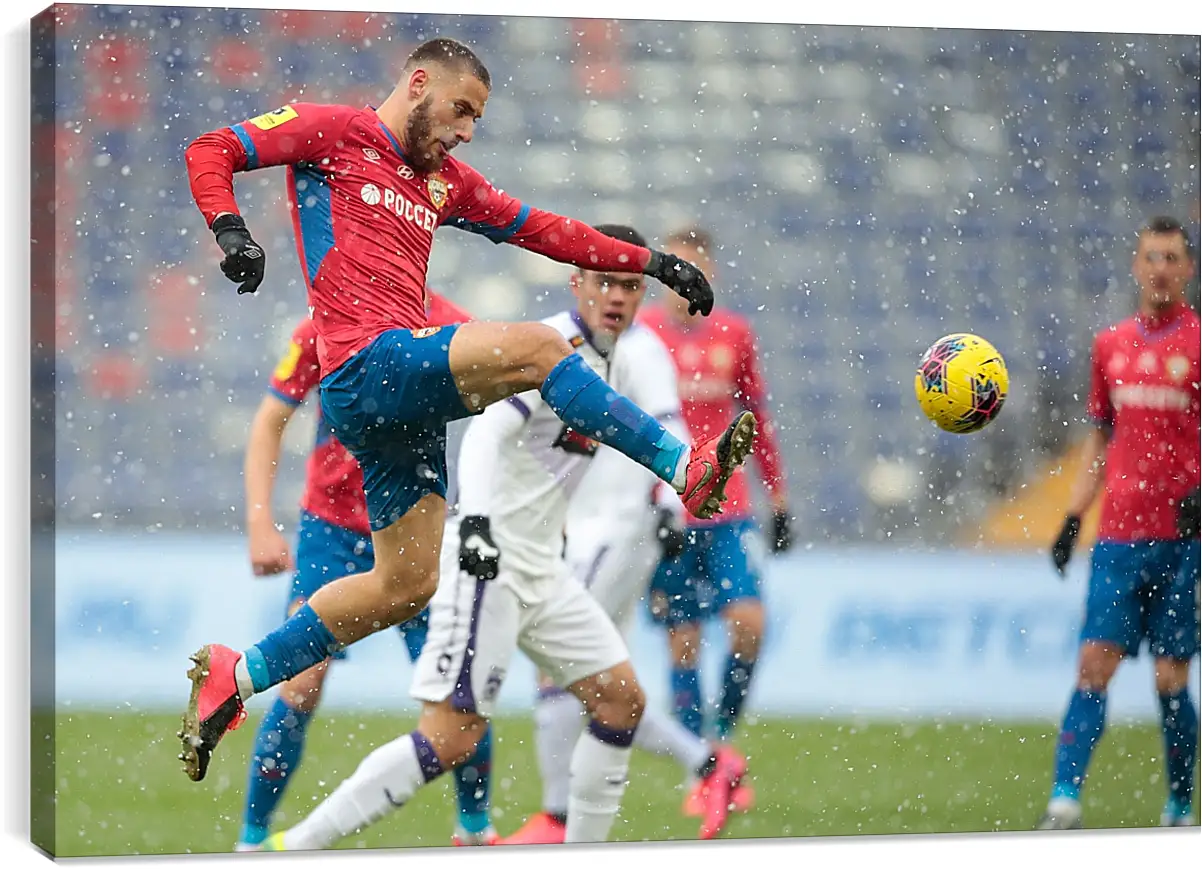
(1145,591)
(389,405)
(719,566)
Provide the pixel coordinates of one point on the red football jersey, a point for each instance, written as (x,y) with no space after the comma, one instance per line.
(1144,385)
(717,362)
(333,479)
(365,219)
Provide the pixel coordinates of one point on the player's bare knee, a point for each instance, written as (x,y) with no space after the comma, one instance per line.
(685,642)
(1097,665)
(1172,675)
(539,348)
(745,620)
(453,734)
(622,702)
(303,692)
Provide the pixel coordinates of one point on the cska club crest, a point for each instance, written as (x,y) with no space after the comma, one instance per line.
(1177,368)
(438,189)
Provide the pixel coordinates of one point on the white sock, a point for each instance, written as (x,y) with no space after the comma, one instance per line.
(598,781)
(680,478)
(384,781)
(242,680)
(663,735)
(558,721)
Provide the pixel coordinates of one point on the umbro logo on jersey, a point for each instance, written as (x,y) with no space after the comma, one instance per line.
(372,154)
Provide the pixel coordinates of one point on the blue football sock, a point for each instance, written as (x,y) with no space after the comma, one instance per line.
(277,754)
(1179,719)
(300,643)
(473,784)
(1084,722)
(734,692)
(686,698)
(580,398)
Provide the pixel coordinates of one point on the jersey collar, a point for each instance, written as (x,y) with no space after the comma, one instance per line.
(396,146)
(1159,323)
(588,334)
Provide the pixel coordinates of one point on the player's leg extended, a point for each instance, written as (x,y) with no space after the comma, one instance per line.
(338,614)
(1173,638)
(473,785)
(492,361)
(733,566)
(387,779)
(1113,626)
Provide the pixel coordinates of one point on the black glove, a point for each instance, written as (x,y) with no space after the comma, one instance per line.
(1062,550)
(244,258)
(478,555)
(685,278)
(1187,514)
(670,534)
(782,534)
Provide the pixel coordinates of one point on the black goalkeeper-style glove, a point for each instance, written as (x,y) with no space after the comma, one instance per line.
(1062,550)
(478,555)
(670,534)
(1188,514)
(782,532)
(685,278)
(244,258)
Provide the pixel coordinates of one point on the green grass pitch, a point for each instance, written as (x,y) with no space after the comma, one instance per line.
(120,789)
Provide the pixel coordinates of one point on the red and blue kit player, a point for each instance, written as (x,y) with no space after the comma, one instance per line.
(719,374)
(333,540)
(369,186)
(1145,405)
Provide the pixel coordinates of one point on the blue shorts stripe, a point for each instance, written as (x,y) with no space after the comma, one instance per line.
(287,400)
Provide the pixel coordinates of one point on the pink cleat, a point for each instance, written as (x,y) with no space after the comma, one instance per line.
(214,709)
(540,829)
(712,462)
(716,791)
(742,800)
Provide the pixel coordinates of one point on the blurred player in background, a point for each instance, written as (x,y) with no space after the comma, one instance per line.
(369,186)
(1143,585)
(619,522)
(333,540)
(505,587)
(719,371)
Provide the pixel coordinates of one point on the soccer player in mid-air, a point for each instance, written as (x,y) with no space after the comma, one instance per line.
(333,540)
(369,186)
(720,374)
(1143,452)
(505,587)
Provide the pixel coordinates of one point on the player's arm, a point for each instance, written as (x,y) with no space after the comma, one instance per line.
(294,376)
(752,393)
(269,552)
(478,459)
(1093,455)
(297,133)
(481,208)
